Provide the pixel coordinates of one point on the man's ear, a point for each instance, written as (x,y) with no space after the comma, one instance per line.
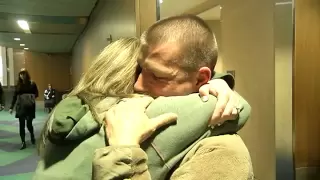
(204,76)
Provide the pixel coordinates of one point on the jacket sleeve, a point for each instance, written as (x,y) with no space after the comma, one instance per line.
(216,158)
(65,116)
(113,162)
(244,115)
(245,108)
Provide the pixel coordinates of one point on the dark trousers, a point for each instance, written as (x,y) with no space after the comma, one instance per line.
(22,124)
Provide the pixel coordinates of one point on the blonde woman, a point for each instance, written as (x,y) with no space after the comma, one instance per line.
(76,136)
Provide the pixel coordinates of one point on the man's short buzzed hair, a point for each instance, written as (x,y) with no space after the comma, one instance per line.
(198,45)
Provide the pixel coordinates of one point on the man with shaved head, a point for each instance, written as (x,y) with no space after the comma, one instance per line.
(178,57)
(177,61)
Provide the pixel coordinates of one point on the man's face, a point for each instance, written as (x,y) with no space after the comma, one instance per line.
(160,76)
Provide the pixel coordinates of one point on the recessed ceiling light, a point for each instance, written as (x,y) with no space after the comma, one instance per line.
(16,39)
(22,44)
(23,24)
(26,48)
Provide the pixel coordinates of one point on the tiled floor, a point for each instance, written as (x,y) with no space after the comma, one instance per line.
(17,164)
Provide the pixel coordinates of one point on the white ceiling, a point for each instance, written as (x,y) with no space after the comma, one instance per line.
(54,24)
(175,7)
(48,7)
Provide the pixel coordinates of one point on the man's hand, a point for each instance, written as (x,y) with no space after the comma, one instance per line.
(228,101)
(10,111)
(127,123)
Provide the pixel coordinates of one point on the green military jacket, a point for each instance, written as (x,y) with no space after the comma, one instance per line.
(74,135)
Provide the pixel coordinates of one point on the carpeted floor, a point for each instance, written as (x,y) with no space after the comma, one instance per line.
(17,164)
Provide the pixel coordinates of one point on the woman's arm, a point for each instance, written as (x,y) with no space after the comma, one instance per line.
(127,126)
(192,111)
(217,158)
(65,117)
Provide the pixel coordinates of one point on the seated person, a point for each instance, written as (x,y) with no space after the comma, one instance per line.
(49,98)
(76,128)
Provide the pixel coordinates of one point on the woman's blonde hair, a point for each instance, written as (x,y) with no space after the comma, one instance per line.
(111,74)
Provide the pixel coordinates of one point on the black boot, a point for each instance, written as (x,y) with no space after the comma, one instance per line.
(23,146)
(30,128)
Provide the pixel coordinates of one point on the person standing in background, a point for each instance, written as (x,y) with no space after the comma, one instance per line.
(49,98)
(25,93)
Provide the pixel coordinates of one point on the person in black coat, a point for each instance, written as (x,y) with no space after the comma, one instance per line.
(25,93)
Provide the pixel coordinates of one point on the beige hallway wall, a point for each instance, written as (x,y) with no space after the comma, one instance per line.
(44,69)
(48,68)
(18,62)
(248,48)
(215,26)
(115,18)
(145,14)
